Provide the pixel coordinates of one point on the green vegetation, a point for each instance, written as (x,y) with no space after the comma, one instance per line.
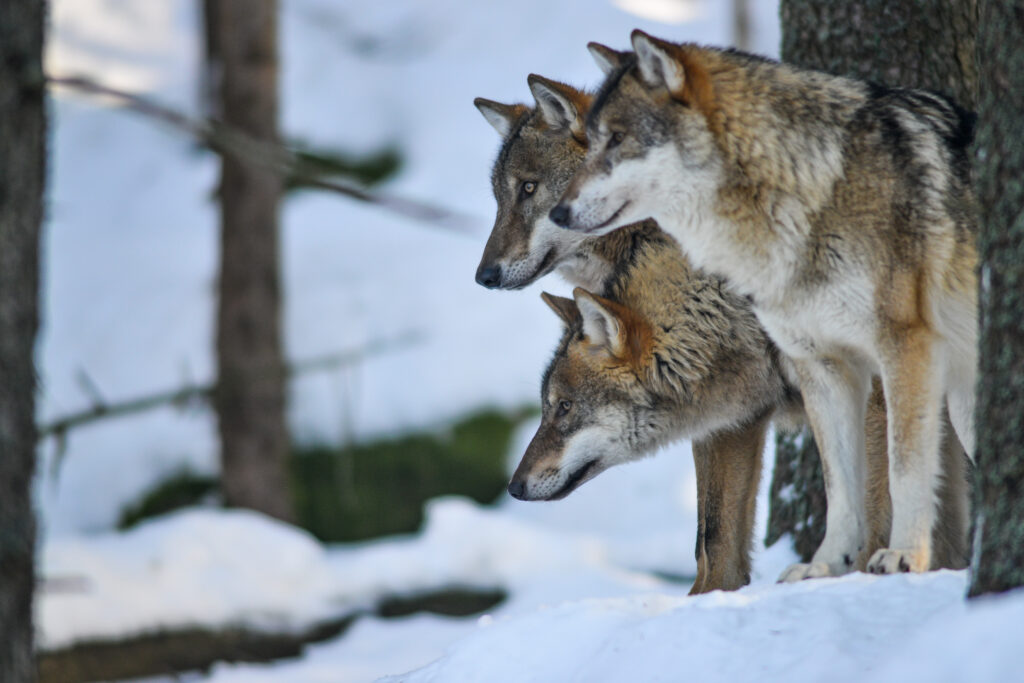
(451,602)
(182,489)
(373,488)
(367,169)
(379,488)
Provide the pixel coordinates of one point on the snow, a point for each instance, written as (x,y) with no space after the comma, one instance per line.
(573,613)
(583,603)
(196,567)
(215,568)
(831,629)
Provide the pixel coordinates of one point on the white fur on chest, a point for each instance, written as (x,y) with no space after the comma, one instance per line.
(830,321)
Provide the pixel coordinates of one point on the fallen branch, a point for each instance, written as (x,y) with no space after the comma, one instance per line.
(226,140)
(182,396)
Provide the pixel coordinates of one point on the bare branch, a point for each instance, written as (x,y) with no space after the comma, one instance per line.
(226,140)
(191,393)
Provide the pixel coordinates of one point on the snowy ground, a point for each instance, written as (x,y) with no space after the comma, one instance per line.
(578,610)
(215,567)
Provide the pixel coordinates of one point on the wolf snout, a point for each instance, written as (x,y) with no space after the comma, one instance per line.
(560,215)
(517,489)
(488,275)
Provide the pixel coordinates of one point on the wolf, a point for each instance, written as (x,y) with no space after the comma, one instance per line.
(843,210)
(728,370)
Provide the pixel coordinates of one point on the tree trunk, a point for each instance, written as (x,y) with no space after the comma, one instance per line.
(250,385)
(741,24)
(923,44)
(998,562)
(211,62)
(22,179)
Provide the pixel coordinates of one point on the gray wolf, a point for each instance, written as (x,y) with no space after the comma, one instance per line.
(727,380)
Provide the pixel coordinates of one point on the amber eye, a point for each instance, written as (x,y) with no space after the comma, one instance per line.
(616,139)
(564,407)
(528,187)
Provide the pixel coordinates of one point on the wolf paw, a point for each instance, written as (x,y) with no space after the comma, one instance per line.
(801,571)
(892,561)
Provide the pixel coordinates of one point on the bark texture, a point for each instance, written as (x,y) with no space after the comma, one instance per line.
(250,387)
(22,179)
(916,43)
(998,558)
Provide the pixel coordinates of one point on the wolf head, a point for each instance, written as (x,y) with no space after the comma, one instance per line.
(541,150)
(650,139)
(596,410)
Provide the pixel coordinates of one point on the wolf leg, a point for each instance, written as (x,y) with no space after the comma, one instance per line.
(835,395)
(732,470)
(876,448)
(949,535)
(701,464)
(913,395)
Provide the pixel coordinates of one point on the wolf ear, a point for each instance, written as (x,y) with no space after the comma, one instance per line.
(601,323)
(563,308)
(555,101)
(501,116)
(608,60)
(657,65)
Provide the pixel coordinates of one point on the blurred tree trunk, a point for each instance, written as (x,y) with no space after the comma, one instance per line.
(923,44)
(250,394)
(211,65)
(741,24)
(998,562)
(22,179)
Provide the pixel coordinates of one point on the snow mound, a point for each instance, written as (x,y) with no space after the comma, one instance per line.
(193,568)
(893,628)
(218,568)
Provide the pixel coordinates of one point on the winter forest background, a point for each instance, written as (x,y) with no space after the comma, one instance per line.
(410,391)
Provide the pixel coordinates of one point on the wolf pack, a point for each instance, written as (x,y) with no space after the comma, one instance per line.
(750,244)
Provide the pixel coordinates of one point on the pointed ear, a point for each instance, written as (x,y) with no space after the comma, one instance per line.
(658,66)
(607,59)
(601,323)
(563,308)
(501,116)
(557,104)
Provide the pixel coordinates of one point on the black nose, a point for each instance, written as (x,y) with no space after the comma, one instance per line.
(560,215)
(517,489)
(488,276)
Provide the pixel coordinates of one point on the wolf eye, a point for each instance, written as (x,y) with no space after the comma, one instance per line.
(564,407)
(616,139)
(528,187)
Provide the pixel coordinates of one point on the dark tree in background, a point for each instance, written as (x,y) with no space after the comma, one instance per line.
(998,562)
(250,396)
(923,44)
(22,178)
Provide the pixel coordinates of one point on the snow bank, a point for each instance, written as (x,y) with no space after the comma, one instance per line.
(369,649)
(194,568)
(893,628)
(217,568)
(573,613)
